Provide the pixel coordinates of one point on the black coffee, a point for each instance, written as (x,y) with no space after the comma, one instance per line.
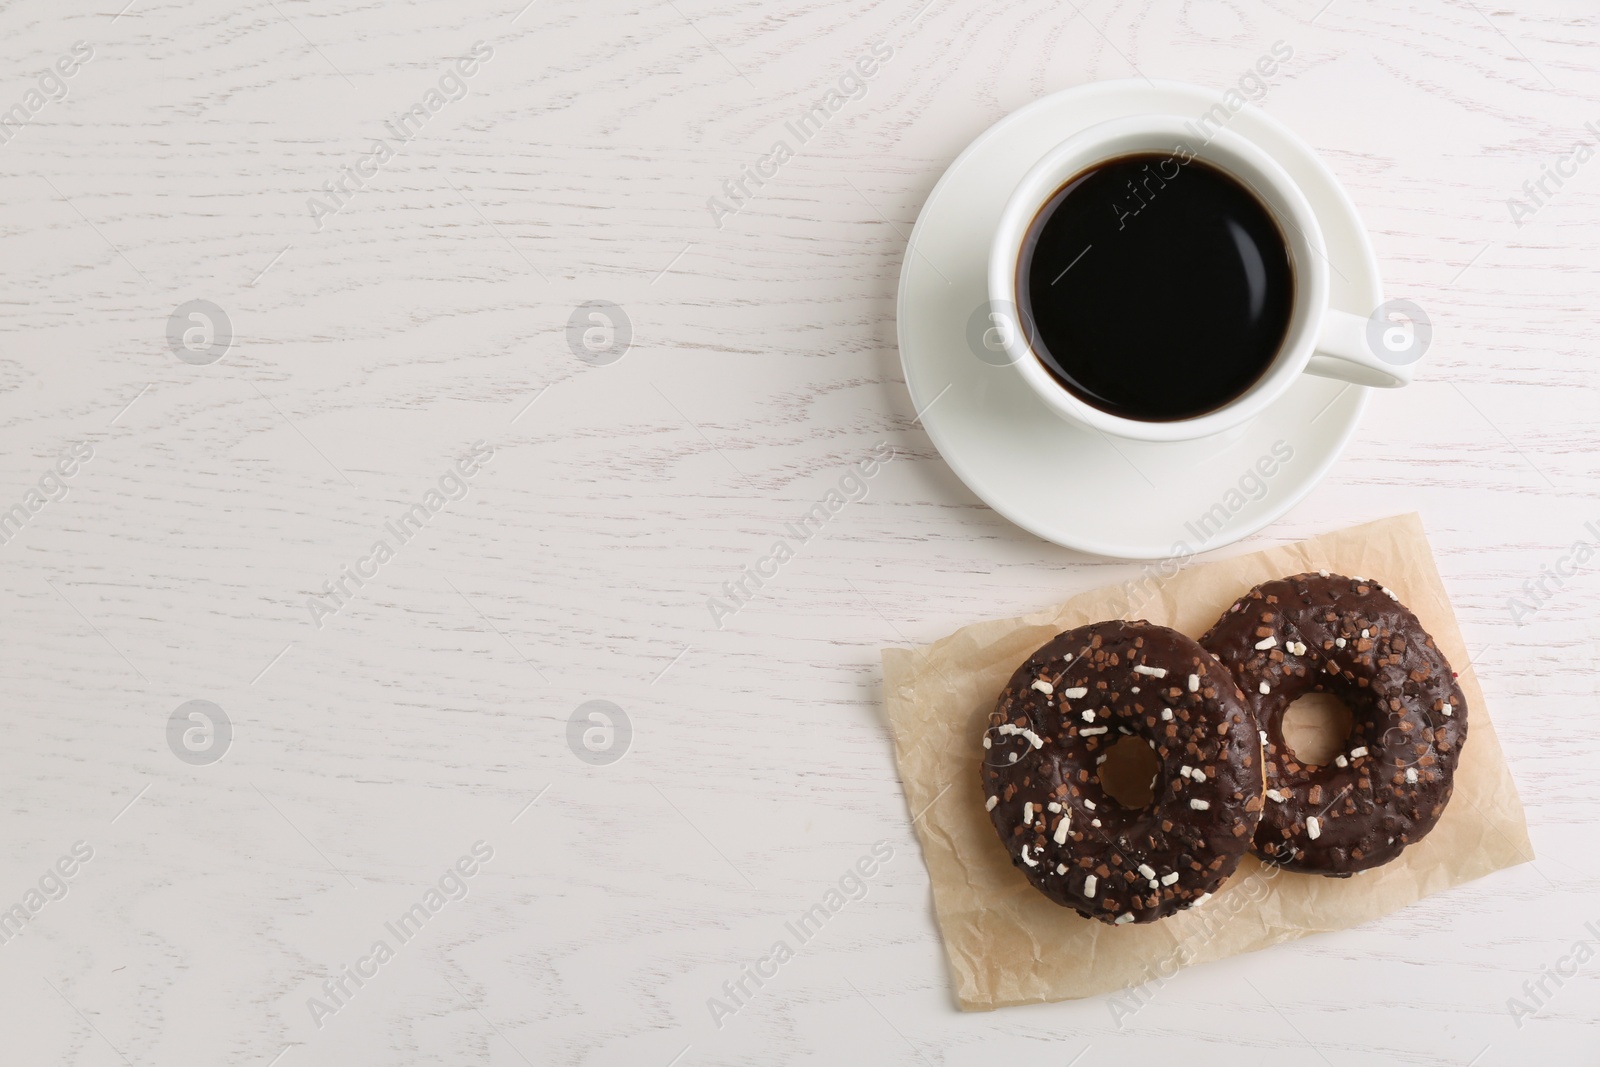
(1155,289)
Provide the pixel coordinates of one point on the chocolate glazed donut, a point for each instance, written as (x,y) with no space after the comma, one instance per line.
(1055,720)
(1350,637)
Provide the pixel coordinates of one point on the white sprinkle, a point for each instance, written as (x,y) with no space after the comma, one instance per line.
(1027,814)
(1169,878)
(1198,775)
(1067,658)
(1364,633)
(1199,900)
(1323,574)
(1061,868)
(1012,756)
(1089,884)
(988,805)
(1266,643)
(1093,731)
(1088,803)
(1263,737)
(1200,805)
(1088,715)
(1357,578)
(1053,807)
(1154,672)
(1186,770)
(1147,870)
(1102,759)
(1296,648)
(1340,761)
(1025,859)
(1094,822)
(1447,710)
(1154,884)
(1061,828)
(1166,714)
(1194,683)
(1339,641)
(1043,686)
(1075,692)
(1411,775)
(1125,917)
(1134,689)
(1275,796)
(1313,827)
(987,743)
(1265,688)
(1006,729)
(1390,593)
(1358,752)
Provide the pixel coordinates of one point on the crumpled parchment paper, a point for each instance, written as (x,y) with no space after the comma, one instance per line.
(1008,944)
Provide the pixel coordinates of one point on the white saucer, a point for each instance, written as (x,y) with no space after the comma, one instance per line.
(1071,485)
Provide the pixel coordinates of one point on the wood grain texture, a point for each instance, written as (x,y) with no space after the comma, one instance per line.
(369,754)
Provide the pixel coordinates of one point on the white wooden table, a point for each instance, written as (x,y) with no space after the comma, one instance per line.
(371,743)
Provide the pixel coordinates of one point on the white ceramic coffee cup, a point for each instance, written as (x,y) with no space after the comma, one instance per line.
(1319,339)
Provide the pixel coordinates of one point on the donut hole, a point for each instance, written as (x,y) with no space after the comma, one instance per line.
(1317,727)
(1129,772)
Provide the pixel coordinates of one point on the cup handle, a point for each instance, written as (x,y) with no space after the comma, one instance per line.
(1345,352)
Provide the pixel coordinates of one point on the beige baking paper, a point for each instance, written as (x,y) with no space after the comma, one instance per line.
(1008,944)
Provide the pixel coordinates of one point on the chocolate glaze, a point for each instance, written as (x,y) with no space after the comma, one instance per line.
(1368,650)
(1041,751)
